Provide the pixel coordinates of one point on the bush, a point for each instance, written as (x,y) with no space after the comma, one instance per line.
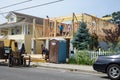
(72,60)
(81,57)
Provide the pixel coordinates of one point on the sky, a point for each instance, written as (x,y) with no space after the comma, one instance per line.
(98,8)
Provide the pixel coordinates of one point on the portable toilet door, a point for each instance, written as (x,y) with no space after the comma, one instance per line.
(53,51)
(1,50)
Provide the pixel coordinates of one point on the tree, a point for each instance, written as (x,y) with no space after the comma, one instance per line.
(115,17)
(106,16)
(94,41)
(81,38)
(112,36)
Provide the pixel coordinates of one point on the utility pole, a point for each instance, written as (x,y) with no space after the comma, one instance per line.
(73,24)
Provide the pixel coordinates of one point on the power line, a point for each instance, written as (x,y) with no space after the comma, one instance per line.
(34,6)
(15,4)
(2,14)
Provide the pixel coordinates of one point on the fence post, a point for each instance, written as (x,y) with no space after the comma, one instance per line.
(99,52)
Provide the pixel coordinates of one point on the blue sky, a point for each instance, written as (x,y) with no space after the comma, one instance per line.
(63,8)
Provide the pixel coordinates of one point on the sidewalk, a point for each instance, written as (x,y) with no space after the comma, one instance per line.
(71,67)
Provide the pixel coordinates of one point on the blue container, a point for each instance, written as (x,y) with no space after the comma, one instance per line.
(57,51)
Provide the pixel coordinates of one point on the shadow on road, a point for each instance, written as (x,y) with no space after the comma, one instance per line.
(3,64)
(15,66)
(105,77)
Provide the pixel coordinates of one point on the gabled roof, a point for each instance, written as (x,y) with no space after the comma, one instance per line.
(29,18)
(25,18)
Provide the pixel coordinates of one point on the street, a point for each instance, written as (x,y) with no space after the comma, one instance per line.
(40,73)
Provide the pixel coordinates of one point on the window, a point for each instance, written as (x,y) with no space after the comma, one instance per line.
(2,34)
(11,19)
(28,30)
(17,31)
(12,32)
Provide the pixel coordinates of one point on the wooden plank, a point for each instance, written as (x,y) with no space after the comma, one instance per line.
(44,38)
(44,25)
(55,28)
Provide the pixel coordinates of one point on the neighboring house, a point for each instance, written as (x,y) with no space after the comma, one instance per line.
(20,27)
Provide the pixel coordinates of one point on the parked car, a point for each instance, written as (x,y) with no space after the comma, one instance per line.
(109,65)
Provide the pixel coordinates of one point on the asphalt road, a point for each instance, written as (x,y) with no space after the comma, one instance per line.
(22,73)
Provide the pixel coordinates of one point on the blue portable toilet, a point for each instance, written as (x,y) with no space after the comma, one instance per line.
(57,50)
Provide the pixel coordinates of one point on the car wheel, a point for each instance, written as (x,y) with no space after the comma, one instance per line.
(113,72)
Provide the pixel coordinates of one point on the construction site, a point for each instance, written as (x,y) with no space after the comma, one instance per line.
(50,30)
(49,35)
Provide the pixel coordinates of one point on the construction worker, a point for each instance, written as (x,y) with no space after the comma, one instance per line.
(46,54)
(61,29)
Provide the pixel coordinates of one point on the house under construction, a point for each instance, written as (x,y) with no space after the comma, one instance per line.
(50,30)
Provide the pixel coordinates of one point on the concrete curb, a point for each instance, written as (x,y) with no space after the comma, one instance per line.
(66,68)
(70,67)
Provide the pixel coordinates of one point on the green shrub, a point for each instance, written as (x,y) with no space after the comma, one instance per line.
(72,60)
(81,57)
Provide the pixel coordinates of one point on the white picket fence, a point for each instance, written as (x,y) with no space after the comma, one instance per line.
(95,54)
